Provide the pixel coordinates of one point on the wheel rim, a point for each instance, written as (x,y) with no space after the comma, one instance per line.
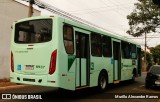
(103,82)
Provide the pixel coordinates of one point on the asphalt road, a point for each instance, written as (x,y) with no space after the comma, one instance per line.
(90,95)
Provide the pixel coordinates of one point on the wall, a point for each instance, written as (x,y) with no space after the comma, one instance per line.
(10,11)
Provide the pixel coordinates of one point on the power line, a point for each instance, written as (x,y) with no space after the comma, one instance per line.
(143,37)
(65,14)
(110,8)
(75,18)
(86,11)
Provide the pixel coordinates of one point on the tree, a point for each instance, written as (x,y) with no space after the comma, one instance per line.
(157,2)
(145,18)
(156,54)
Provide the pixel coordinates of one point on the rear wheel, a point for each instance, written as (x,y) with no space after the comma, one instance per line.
(102,82)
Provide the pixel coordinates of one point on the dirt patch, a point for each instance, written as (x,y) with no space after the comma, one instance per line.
(7,85)
(4,84)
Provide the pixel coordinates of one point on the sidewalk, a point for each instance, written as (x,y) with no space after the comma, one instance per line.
(4,84)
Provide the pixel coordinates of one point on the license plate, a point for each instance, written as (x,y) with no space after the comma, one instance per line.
(29,67)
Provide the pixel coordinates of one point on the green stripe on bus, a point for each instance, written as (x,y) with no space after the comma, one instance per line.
(71,59)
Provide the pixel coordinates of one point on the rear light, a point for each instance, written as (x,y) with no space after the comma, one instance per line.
(12,62)
(52,67)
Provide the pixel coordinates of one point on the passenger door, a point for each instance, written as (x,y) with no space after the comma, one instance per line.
(82,70)
(117,60)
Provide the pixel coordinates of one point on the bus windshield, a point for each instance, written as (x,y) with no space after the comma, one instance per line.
(34,31)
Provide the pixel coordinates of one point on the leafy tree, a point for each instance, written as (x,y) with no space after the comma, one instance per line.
(156,54)
(145,18)
(157,2)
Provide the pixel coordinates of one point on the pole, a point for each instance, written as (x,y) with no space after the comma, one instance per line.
(30,12)
(145,45)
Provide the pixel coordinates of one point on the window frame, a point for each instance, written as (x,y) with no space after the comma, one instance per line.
(100,42)
(122,50)
(72,40)
(106,44)
(24,30)
(134,50)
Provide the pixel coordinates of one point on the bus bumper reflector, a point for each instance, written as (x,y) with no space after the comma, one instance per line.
(52,81)
(64,74)
(18,78)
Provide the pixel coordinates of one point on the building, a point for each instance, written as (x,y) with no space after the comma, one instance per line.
(10,11)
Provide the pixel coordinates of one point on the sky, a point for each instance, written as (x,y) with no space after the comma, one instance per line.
(109,14)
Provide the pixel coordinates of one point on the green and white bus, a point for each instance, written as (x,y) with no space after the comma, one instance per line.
(58,52)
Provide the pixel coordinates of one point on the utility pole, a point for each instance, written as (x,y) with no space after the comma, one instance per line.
(30,12)
(145,45)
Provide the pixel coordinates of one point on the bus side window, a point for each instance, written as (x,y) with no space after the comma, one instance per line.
(133,51)
(96,45)
(107,46)
(68,39)
(125,48)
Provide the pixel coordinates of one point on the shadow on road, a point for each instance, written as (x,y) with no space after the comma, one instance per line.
(88,93)
(91,94)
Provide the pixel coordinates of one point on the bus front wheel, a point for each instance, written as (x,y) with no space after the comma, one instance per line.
(102,82)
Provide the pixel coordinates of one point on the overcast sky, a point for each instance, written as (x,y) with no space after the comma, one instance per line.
(109,14)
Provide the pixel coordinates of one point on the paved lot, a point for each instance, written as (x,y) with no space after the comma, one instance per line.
(90,95)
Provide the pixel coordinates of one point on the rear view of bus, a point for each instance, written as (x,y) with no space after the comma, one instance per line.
(33,52)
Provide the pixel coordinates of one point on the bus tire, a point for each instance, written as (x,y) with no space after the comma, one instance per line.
(102,82)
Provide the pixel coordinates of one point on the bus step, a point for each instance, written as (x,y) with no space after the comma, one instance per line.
(82,87)
(116,81)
